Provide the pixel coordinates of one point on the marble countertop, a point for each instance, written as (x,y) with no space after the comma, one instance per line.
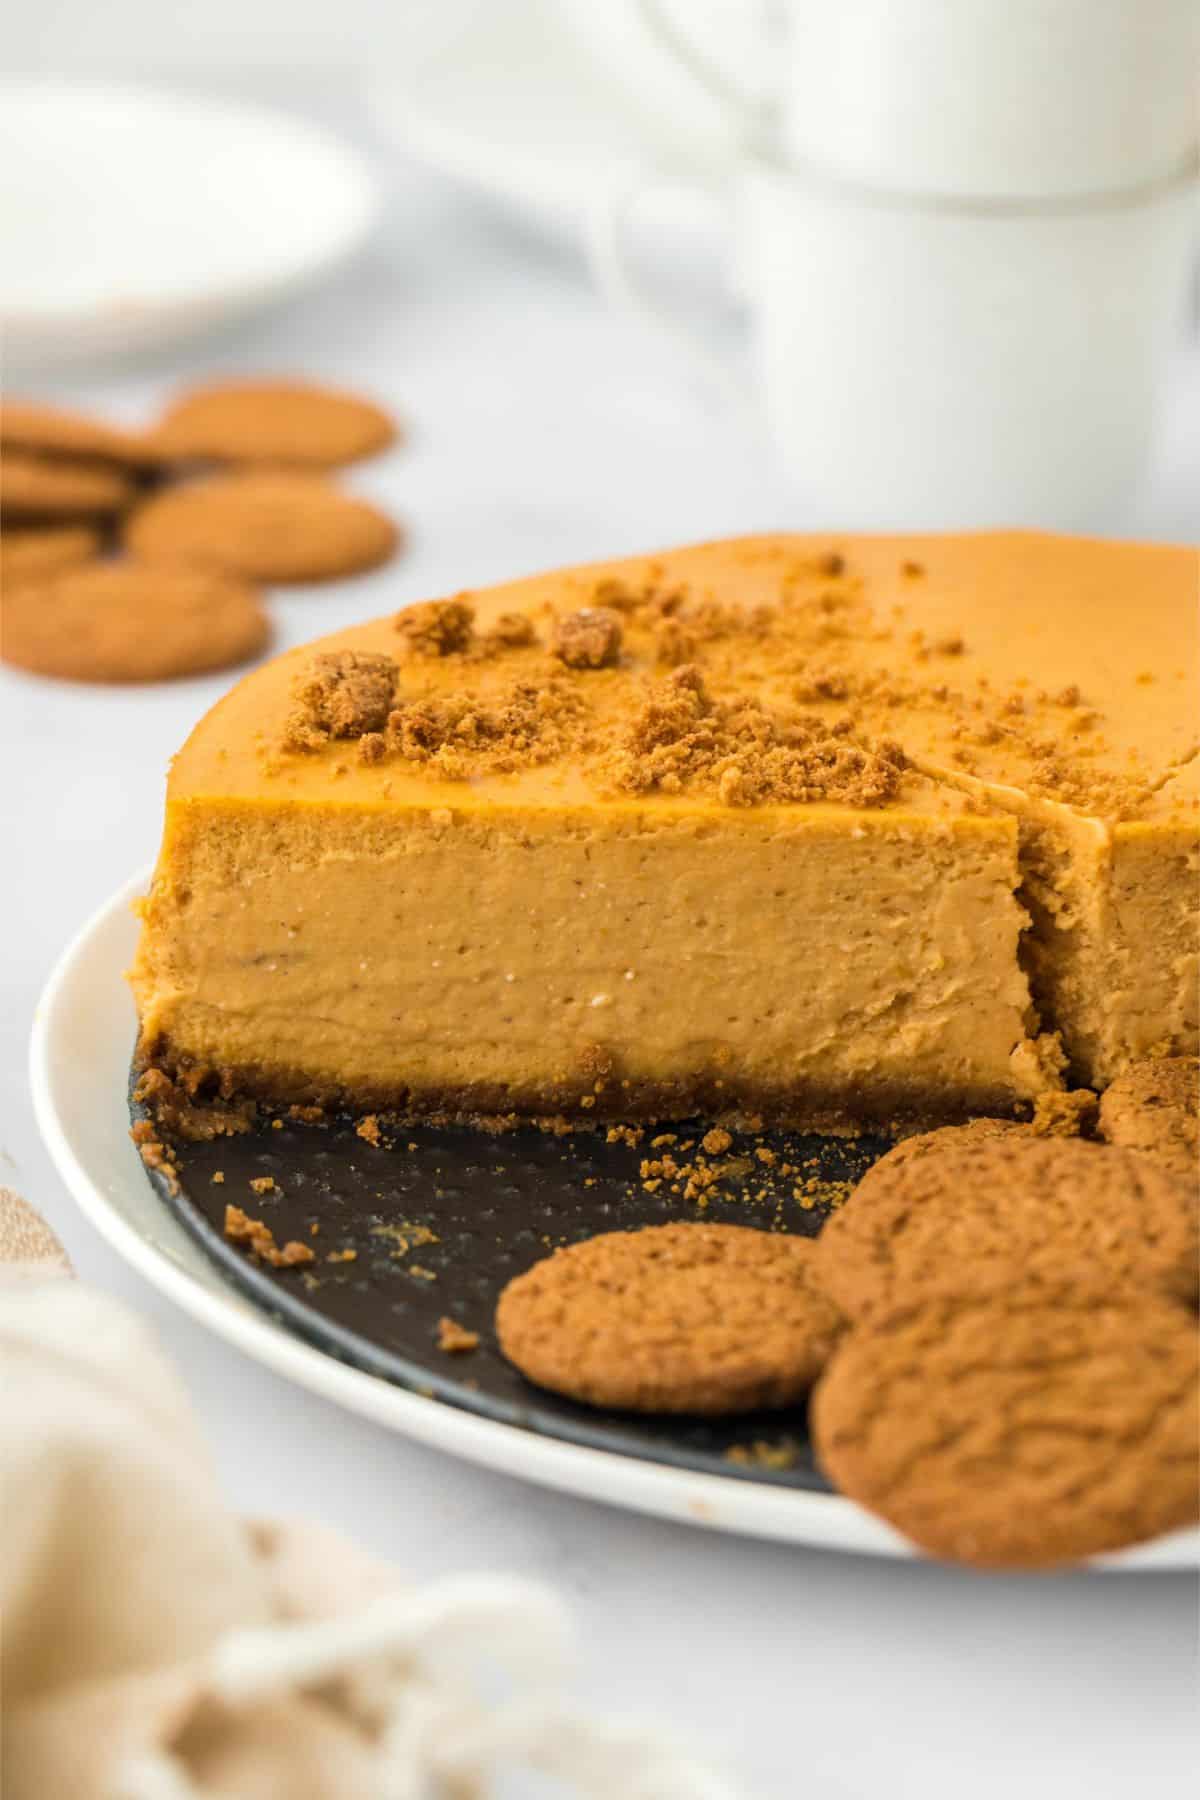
(541,432)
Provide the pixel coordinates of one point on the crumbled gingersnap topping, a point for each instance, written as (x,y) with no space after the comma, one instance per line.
(437,627)
(511,631)
(463,735)
(682,738)
(589,638)
(340,694)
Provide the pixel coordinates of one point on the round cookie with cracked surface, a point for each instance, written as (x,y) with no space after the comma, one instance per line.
(56,431)
(268,525)
(1024,1429)
(118,622)
(33,486)
(949,1137)
(982,1216)
(293,422)
(32,552)
(1154,1107)
(684,1318)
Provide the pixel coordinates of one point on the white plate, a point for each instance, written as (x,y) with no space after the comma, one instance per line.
(132,218)
(82,1039)
(511,102)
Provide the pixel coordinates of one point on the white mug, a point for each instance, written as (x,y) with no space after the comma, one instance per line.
(942,365)
(980,98)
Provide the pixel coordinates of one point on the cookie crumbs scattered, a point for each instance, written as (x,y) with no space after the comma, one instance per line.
(342,1256)
(630,1135)
(913,570)
(455,1339)
(368,1129)
(681,737)
(761,1454)
(218,1176)
(437,627)
(716,1141)
(240,1228)
(406,1237)
(1069,1114)
(462,735)
(263,1184)
(422,1274)
(589,638)
(154,1153)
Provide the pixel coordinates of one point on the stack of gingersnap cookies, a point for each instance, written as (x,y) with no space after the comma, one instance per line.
(998,1329)
(141,555)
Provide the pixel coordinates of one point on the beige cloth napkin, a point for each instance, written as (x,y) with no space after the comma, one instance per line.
(157,1648)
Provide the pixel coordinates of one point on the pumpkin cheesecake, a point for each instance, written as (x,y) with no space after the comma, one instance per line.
(827,831)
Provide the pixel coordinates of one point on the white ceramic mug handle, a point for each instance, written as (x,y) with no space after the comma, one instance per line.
(749,111)
(621,283)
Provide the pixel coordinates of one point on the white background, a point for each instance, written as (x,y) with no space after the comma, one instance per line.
(543,432)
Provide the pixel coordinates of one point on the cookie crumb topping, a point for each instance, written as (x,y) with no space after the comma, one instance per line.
(437,627)
(681,737)
(589,638)
(340,694)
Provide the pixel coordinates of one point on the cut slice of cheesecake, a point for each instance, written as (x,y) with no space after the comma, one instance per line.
(830,832)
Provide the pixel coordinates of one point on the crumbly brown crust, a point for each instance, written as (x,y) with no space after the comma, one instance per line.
(595,1096)
(1033,1427)
(1154,1108)
(270,525)
(683,1318)
(991,1211)
(120,622)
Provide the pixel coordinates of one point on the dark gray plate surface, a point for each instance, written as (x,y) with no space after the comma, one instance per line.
(493,1205)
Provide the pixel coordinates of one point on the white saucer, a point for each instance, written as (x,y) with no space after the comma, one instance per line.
(132,218)
(514,104)
(82,1040)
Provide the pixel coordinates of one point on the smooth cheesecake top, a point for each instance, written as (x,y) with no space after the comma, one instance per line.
(864,673)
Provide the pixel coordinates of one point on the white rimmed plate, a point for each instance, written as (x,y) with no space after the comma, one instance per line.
(132,218)
(80,1053)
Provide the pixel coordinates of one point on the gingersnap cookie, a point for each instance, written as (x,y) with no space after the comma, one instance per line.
(982,1216)
(266,525)
(1018,1430)
(948,1137)
(274,422)
(1154,1107)
(33,486)
(55,431)
(120,622)
(683,1318)
(31,552)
